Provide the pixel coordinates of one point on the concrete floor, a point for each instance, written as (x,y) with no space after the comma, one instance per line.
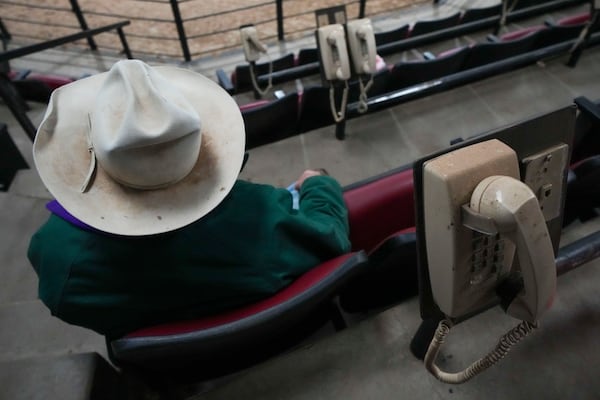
(370,360)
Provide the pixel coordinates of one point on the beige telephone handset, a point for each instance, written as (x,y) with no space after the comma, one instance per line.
(334,63)
(361,40)
(334,52)
(478,216)
(516,212)
(253,49)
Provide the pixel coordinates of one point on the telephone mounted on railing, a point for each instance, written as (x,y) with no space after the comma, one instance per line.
(333,50)
(253,50)
(486,238)
(335,63)
(361,40)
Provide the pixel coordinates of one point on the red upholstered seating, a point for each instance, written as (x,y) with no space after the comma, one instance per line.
(297,288)
(52,81)
(381,216)
(518,34)
(578,19)
(253,105)
(195,349)
(379,208)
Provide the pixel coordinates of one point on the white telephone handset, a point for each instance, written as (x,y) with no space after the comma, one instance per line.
(253,48)
(335,64)
(334,52)
(361,40)
(516,212)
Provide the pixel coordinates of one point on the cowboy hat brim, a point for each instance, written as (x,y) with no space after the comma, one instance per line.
(62,159)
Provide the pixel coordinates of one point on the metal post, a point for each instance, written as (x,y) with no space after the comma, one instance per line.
(361,8)
(84,26)
(12,99)
(340,129)
(180,30)
(4,32)
(279,5)
(124,43)
(584,38)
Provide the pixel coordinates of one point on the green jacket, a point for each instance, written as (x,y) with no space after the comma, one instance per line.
(249,247)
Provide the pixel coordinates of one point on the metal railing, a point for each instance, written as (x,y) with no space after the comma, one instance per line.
(187,29)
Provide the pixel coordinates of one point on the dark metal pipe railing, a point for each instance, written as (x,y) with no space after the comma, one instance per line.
(454,80)
(180,31)
(578,253)
(23,51)
(83,23)
(279,12)
(428,38)
(7,91)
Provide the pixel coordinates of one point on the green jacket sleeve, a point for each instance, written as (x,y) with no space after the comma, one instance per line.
(321,201)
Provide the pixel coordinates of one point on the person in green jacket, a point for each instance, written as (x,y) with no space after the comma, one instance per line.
(151,223)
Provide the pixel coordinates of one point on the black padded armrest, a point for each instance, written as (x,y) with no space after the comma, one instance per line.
(492,38)
(224,81)
(248,332)
(589,107)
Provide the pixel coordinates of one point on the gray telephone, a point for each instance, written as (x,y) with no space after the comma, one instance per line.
(335,64)
(487,240)
(361,40)
(253,49)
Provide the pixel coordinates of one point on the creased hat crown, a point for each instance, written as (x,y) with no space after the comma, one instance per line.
(144,132)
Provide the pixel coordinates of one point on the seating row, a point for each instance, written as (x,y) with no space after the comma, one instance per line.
(306,61)
(258,331)
(462,17)
(427,26)
(301,112)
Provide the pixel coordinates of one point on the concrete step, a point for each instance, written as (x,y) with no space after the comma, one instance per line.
(29,331)
(66,377)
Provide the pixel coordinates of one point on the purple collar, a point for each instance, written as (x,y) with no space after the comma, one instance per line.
(55,208)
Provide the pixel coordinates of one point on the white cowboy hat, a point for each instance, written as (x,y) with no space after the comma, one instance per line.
(140,150)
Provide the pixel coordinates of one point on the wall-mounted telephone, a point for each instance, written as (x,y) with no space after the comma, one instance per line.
(596,5)
(361,40)
(334,52)
(486,238)
(253,49)
(335,64)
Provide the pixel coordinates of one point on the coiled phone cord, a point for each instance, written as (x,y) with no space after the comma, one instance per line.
(504,345)
(338,116)
(362,98)
(260,91)
(585,31)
